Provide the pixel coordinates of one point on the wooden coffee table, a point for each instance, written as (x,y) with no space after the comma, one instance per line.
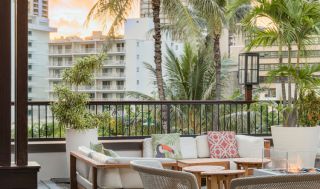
(203,161)
(197,170)
(249,163)
(217,179)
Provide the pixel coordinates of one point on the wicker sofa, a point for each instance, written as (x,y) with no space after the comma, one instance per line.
(90,169)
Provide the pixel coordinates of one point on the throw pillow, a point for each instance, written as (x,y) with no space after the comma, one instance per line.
(223,144)
(166,146)
(110,153)
(98,147)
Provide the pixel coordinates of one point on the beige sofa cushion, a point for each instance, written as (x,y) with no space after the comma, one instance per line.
(84,182)
(187,145)
(250,146)
(106,178)
(202,146)
(82,167)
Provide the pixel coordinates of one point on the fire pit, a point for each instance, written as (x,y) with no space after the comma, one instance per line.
(288,163)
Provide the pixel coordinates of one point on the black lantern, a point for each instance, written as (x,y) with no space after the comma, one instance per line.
(248,72)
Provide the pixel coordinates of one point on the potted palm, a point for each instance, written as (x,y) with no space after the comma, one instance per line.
(70,108)
(301,116)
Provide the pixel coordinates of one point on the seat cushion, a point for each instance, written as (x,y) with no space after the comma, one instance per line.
(166,145)
(202,146)
(223,144)
(106,178)
(126,160)
(83,168)
(188,147)
(84,182)
(250,146)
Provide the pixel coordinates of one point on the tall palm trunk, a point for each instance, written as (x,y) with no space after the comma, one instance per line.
(217,62)
(158,59)
(217,65)
(282,79)
(157,47)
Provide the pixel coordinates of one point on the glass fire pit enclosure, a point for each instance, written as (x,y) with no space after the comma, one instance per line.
(290,162)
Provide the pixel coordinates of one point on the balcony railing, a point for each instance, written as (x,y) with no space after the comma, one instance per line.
(138,119)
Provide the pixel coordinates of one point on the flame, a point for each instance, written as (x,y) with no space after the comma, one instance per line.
(295,165)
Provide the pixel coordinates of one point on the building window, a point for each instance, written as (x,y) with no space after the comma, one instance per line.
(107,96)
(138,44)
(271,93)
(30,55)
(30,44)
(138,82)
(30,33)
(30,78)
(30,67)
(30,90)
(138,57)
(138,69)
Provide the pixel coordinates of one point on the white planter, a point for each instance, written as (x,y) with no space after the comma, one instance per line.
(301,143)
(76,138)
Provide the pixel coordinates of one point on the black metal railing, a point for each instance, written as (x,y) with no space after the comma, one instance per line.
(138,119)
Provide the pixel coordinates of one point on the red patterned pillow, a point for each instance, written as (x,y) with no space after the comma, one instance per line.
(223,144)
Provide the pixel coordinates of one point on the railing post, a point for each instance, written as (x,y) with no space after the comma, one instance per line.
(168,118)
(248,119)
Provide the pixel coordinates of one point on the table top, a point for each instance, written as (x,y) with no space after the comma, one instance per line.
(223,172)
(251,160)
(202,168)
(201,160)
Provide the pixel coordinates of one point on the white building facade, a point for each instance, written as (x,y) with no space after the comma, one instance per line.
(124,69)
(38,49)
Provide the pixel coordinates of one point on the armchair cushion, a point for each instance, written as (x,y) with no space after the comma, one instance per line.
(82,167)
(106,178)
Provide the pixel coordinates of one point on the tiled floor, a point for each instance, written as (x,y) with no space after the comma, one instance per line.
(51,185)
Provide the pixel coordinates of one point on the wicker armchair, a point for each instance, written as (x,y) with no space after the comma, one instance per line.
(301,181)
(153,176)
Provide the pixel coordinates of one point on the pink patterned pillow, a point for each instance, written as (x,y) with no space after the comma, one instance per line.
(222,144)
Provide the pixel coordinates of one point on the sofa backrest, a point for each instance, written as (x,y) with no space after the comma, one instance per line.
(187,145)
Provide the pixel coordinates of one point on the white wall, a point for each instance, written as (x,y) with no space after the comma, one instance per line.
(140,50)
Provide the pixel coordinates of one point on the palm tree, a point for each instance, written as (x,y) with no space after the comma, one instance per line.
(200,22)
(118,10)
(290,22)
(191,76)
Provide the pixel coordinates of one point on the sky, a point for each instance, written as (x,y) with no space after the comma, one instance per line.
(69,16)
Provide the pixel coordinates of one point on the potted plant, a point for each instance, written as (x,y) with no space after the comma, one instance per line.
(70,108)
(300,117)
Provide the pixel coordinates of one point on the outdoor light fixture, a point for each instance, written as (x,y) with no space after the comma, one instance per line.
(248,72)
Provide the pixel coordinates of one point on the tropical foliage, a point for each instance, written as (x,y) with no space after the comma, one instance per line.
(287,24)
(70,109)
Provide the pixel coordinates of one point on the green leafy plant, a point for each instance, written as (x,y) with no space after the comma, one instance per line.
(70,108)
(309,109)
(306,87)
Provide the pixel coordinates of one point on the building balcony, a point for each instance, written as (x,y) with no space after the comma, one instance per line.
(111,87)
(110,75)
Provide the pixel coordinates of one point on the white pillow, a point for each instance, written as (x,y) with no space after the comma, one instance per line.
(202,146)
(147,148)
(249,146)
(188,147)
